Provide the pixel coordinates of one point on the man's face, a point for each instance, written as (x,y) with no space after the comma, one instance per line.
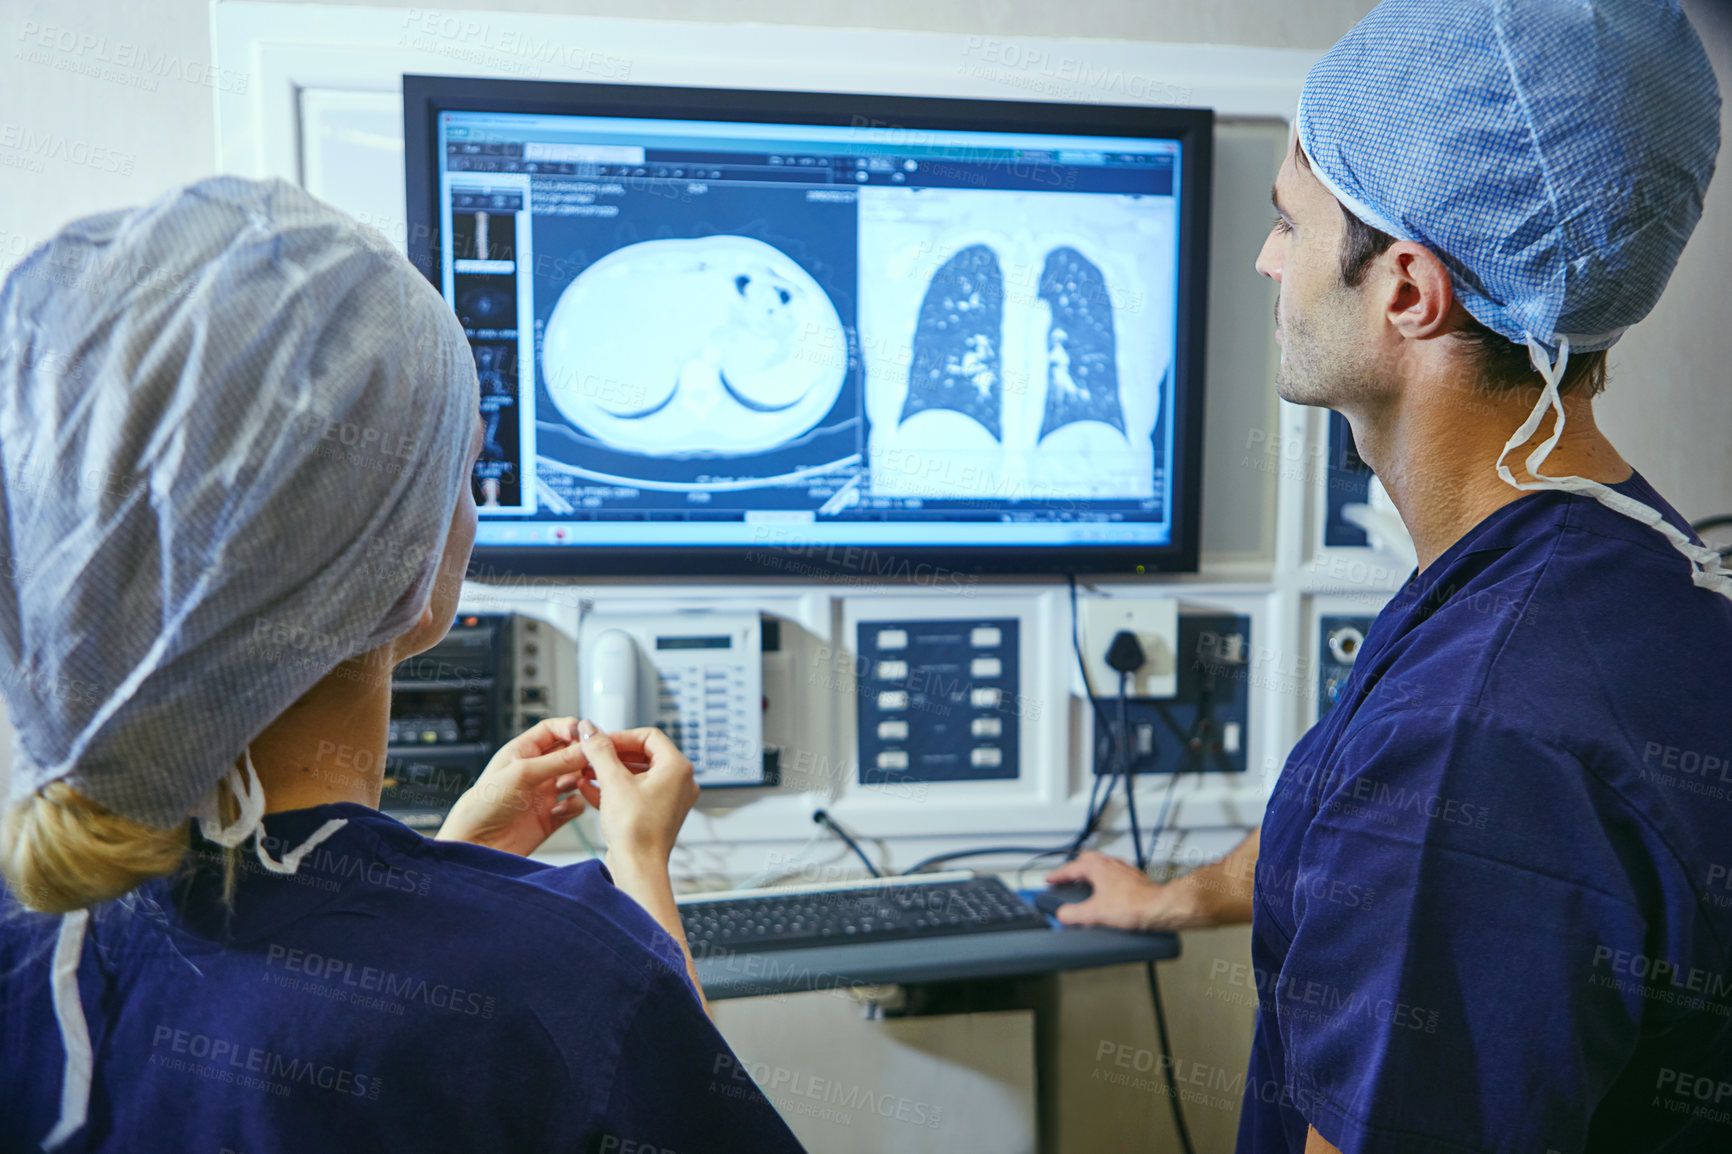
(1322,325)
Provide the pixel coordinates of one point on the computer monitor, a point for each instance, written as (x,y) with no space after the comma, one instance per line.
(779,333)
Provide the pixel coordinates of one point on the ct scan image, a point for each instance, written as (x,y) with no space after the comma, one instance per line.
(1028,350)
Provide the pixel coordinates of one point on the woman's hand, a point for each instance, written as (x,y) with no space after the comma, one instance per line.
(641,785)
(515,804)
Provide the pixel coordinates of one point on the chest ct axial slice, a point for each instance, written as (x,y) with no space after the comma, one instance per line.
(1082,378)
(672,346)
(957,341)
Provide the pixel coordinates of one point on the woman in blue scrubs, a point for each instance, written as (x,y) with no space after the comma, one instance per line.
(237,432)
(1529,772)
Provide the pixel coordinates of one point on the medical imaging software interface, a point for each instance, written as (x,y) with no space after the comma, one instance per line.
(732,334)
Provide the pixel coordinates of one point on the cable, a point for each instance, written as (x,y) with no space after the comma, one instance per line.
(1126,655)
(1205,704)
(1023,868)
(1129,777)
(1167,1060)
(1707,523)
(1136,834)
(987,851)
(1700,528)
(825,819)
(1161,822)
(1130,796)
(1094,816)
(1120,768)
(765,876)
(1069,849)
(1076,644)
(584,838)
(1154,982)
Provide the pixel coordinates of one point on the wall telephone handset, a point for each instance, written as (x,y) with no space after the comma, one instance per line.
(611,682)
(698,676)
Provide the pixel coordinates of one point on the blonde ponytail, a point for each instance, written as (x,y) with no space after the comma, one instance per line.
(60,851)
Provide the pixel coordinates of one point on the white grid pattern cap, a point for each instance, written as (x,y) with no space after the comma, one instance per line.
(234,426)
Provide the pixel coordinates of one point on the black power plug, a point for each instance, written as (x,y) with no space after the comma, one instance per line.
(1125,653)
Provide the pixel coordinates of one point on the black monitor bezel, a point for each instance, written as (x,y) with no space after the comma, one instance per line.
(425,97)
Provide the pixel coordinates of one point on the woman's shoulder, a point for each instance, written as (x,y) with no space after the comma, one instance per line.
(574,902)
(537,905)
(400,891)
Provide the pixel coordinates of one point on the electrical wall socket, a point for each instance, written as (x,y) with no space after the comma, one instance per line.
(1154,620)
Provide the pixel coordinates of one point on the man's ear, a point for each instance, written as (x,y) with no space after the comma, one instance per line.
(1420,293)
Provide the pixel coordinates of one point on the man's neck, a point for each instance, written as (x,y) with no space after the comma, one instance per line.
(1435,449)
(330,745)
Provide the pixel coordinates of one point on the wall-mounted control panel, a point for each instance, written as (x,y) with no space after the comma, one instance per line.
(938,699)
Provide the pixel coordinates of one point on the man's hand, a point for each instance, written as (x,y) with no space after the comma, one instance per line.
(1218,894)
(1124,897)
(515,804)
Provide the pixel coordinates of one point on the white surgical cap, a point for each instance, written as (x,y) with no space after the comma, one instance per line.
(1554,154)
(234,427)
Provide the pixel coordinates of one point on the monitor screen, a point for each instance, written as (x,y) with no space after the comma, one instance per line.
(757,332)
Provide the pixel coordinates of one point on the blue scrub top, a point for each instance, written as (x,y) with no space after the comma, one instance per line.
(397,993)
(1494,893)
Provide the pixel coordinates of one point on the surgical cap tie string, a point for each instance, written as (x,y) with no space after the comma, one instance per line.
(251,795)
(69,945)
(1705,568)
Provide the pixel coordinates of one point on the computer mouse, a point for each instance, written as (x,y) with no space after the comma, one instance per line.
(1048,901)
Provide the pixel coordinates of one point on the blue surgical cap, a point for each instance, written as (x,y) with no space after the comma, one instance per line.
(234,428)
(1553,153)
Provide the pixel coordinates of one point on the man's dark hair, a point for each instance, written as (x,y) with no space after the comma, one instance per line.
(1503,364)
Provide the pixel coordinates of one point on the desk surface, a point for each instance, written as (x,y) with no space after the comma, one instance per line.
(987,955)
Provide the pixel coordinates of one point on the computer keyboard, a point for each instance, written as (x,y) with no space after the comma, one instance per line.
(880,910)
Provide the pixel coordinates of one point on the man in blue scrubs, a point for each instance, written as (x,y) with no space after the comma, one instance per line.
(1531,766)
